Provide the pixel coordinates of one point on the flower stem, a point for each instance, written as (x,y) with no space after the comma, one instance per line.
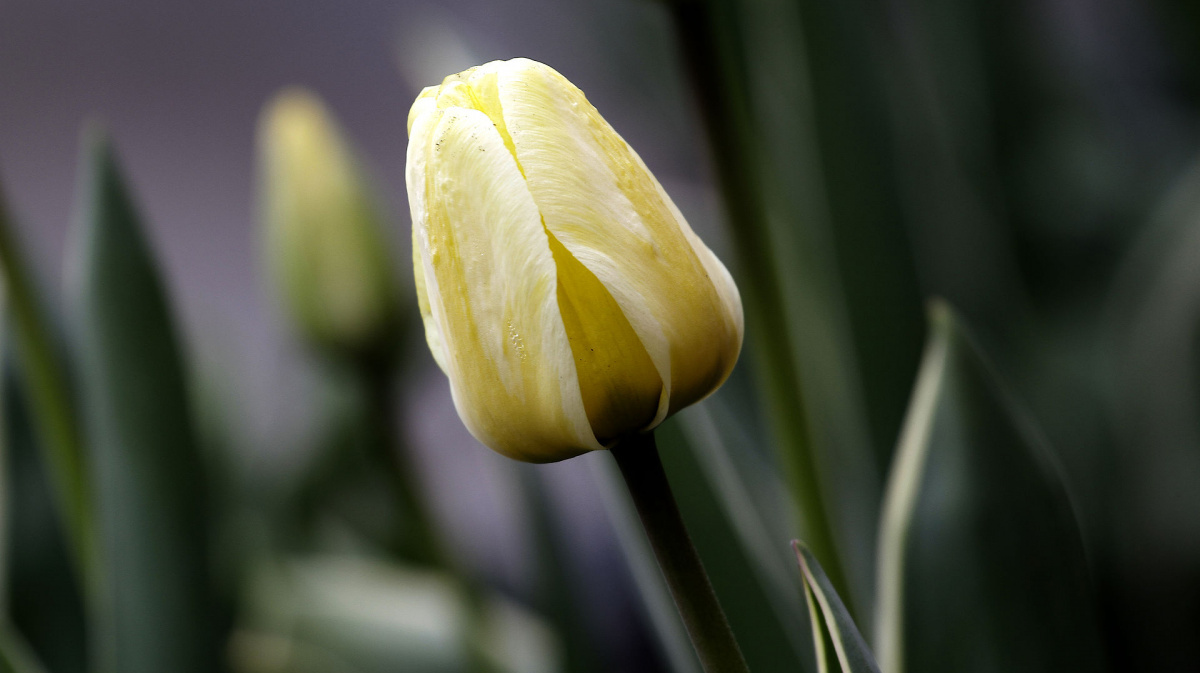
(640,465)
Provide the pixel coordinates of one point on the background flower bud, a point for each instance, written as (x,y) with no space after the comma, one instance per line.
(563,293)
(324,243)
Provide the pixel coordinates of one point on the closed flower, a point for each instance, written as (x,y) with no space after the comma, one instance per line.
(324,235)
(563,293)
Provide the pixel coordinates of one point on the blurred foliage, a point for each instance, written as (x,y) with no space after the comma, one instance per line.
(981,561)
(43,599)
(154,604)
(1035,164)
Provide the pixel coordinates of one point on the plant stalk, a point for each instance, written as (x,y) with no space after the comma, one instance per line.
(640,465)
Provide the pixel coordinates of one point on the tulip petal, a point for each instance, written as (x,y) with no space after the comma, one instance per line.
(415,176)
(598,198)
(490,282)
(620,386)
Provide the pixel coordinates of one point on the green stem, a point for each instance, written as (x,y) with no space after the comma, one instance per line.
(712,55)
(15,654)
(52,410)
(640,465)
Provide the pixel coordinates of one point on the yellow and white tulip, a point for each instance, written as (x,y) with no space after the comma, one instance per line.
(563,293)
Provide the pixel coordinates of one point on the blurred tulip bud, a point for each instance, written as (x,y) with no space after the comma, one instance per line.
(324,238)
(563,293)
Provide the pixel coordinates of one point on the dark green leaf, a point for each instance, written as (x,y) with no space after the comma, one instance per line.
(15,655)
(805,178)
(831,623)
(982,564)
(44,602)
(45,382)
(154,611)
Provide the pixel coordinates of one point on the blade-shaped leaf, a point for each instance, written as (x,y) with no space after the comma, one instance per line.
(981,564)
(43,601)
(750,73)
(15,655)
(830,621)
(44,379)
(154,609)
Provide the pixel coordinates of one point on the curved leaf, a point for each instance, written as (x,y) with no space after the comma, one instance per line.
(43,599)
(154,610)
(44,381)
(982,564)
(15,655)
(830,620)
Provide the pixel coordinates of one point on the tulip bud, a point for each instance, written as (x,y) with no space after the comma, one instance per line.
(324,242)
(563,293)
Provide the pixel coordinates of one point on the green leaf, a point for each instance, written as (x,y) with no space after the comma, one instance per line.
(43,601)
(982,564)
(793,187)
(831,623)
(43,376)
(154,609)
(15,655)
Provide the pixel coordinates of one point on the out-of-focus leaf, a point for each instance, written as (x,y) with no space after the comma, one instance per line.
(1155,488)
(15,655)
(154,607)
(830,621)
(327,614)
(981,565)
(5,480)
(749,64)
(43,602)
(44,378)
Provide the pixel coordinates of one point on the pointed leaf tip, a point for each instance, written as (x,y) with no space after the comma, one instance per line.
(156,612)
(831,620)
(981,561)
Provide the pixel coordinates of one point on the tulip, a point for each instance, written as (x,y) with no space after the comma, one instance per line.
(324,237)
(563,293)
